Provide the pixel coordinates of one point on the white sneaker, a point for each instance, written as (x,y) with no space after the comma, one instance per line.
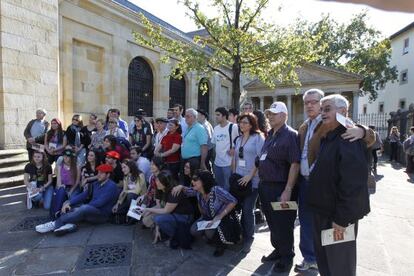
(46,227)
(64,229)
(305,266)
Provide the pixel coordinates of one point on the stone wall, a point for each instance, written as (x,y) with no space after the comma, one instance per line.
(29,65)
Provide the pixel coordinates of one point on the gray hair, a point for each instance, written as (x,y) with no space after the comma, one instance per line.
(41,110)
(337,99)
(192,111)
(314,91)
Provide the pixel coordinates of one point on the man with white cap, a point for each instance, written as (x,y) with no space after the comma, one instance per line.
(279,165)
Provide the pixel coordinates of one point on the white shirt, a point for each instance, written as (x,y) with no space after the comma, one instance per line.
(304,163)
(159,136)
(183,124)
(144,165)
(221,139)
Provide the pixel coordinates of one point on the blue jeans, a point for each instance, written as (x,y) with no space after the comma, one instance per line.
(222,175)
(168,222)
(85,212)
(45,197)
(248,218)
(59,197)
(306,224)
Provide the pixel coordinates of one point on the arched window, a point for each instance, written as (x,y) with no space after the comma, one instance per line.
(140,87)
(177,91)
(203,101)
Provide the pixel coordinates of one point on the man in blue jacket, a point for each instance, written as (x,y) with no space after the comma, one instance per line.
(97,209)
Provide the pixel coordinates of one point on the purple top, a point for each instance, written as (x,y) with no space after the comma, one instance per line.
(218,199)
(282,149)
(65,176)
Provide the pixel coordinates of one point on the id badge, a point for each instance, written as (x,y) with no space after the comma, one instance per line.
(242,163)
(263,157)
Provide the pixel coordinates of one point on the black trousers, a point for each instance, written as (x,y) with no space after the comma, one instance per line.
(394,150)
(337,259)
(281,223)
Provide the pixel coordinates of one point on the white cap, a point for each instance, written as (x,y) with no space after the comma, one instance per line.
(277,107)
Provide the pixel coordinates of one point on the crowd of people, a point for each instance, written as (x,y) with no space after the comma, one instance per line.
(190,179)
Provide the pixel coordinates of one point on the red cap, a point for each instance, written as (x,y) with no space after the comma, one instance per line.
(113,154)
(104,168)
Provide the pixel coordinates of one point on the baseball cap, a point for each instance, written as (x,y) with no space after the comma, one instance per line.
(104,168)
(113,154)
(277,107)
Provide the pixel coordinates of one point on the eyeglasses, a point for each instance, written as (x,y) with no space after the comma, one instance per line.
(312,102)
(241,152)
(244,122)
(112,122)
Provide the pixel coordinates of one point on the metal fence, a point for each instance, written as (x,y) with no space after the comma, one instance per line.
(379,120)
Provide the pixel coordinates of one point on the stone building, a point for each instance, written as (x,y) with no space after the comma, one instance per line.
(310,76)
(79,56)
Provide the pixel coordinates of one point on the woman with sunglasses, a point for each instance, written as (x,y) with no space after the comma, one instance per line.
(215,204)
(113,128)
(248,147)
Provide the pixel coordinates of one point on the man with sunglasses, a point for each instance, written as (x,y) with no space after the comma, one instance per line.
(279,165)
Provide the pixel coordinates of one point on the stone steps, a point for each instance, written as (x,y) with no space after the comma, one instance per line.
(12,163)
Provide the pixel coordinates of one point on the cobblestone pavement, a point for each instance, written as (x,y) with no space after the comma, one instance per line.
(384,242)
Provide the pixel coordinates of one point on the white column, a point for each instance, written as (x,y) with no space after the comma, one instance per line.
(289,107)
(274,99)
(261,102)
(355,106)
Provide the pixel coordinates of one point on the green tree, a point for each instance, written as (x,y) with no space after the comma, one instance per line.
(354,47)
(238,41)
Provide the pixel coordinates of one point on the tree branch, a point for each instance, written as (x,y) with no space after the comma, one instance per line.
(219,44)
(226,12)
(220,71)
(246,25)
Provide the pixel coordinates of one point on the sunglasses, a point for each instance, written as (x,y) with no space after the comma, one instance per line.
(75,119)
(241,152)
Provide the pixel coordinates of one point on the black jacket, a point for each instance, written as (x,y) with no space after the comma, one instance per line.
(338,182)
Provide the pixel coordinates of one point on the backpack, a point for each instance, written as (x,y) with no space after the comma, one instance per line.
(123,142)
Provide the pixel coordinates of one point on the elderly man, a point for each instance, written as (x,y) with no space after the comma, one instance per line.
(310,133)
(95,209)
(338,191)
(202,118)
(194,147)
(35,131)
(178,111)
(161,128)
(278,171)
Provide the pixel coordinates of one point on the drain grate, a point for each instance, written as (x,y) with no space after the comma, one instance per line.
(29,223)
(105,255)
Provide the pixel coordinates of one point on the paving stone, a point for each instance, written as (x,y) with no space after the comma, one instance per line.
(107,233)
(19,240)
(105,255)
(121,271)
(79,238)
(49,260)
(9,259)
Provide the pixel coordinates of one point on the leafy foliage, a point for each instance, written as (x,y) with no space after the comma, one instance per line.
(354,47)
(237,41)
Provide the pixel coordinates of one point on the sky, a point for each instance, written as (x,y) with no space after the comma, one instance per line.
(387,22)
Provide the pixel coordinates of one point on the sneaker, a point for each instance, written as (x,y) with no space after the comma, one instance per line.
(46,227)
(65,229)
(305,266)
(282,266)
